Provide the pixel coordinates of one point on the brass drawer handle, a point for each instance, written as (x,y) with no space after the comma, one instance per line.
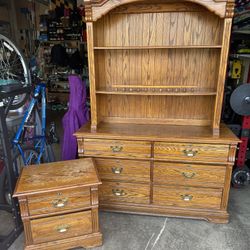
(188,175)
(117,170)
(186,197)
(190,152)
(116,149)
(59,203)
(62,228)
(118,192)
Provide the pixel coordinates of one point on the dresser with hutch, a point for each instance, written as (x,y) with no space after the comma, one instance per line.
(157,71)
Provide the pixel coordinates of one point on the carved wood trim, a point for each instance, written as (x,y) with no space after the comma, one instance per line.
(95,220)
(230,9)
(232,152)
(23,204)
(28,232)
(94,196)
(80,143)
(95,9)
(226,189)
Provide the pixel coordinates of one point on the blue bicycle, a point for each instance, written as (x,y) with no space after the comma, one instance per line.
(30,139)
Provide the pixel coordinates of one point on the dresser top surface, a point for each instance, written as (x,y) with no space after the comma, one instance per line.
(57,176)
(158,133)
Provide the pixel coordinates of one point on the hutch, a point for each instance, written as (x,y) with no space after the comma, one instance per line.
(157,71)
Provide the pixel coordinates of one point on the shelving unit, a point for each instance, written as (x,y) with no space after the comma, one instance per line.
(140,51)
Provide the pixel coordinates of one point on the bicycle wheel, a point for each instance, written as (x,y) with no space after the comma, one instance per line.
(30,155)
(14,72)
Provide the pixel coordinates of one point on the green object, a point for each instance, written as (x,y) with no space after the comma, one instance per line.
(244,51)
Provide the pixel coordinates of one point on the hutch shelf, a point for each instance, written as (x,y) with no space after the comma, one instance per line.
(157,71)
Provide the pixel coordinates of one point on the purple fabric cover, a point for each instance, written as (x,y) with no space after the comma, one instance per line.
(76,116)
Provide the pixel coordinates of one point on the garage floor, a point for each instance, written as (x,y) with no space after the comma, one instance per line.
(135,232)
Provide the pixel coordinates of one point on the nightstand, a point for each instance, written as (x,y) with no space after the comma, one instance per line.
(59,205)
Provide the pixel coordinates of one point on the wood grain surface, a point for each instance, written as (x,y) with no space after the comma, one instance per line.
(56,176)
(60,201)
(124,192)
(189,174)
(191,152)
(123,170)
(61,227)
(157,132)
(187,197)
(84,241)
(118,148)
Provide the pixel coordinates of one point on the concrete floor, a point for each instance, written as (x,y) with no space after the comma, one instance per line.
(135,232)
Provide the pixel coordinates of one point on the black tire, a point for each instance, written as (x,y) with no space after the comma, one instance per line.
(241,176)
(25,80)
(19,101)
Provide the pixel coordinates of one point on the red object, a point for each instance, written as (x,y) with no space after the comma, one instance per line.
(1,166)
(243,145)
(245,130)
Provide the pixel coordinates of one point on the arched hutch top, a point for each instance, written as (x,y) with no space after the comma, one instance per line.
(97,8)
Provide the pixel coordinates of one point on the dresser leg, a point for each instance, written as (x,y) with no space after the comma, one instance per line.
(218,220)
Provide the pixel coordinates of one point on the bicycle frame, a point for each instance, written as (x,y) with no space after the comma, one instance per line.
(39,140)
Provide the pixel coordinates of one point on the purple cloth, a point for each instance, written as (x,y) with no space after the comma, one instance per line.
(76,116)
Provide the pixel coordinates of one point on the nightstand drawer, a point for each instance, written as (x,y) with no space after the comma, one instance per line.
(124,192)
(189,174)
(126,170)
(187,197)
(61,227)
(60,201)
(191,152)
(132,149)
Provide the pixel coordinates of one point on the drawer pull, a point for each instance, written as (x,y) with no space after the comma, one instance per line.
(186,197)
(62,228)
(117,170)
(188,175)
(60,202)
(118,192)
(190,152)
(116,149)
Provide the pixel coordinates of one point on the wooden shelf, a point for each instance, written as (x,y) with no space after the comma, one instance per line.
(158,47)
(160,132)
(177,91)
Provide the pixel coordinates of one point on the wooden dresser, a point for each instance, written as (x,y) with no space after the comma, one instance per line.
(59,205)
(157,71)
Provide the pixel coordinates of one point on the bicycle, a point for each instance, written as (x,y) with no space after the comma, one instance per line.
(31,154)
(14,72)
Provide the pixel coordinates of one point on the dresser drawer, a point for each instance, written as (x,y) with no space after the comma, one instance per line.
(126,170)
(187,197)
(115,148)
(189,174)
(61,227)
(124,192)
(60,201)
(191,152)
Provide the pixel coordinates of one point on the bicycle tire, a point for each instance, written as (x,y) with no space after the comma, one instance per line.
(20,161)
(19,99)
